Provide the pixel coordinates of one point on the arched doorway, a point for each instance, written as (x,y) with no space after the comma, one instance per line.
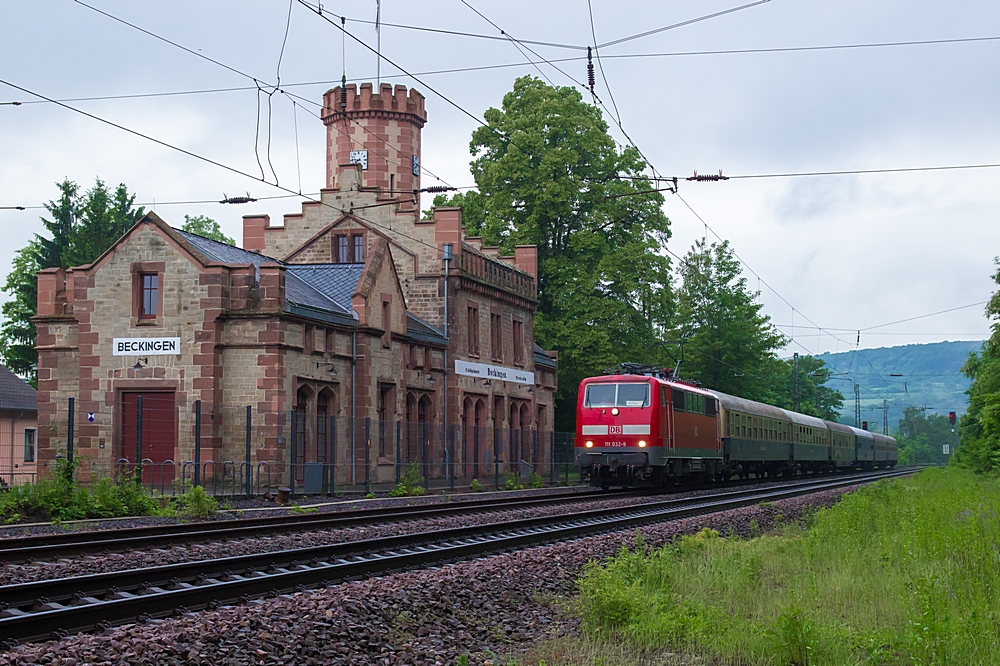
(412,434)
(325,424)
(301,431)
(515,437)
(479,435)
(468,433)
(424,411)
(527,444)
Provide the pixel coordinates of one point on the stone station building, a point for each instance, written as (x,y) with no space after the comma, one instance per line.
(353,328)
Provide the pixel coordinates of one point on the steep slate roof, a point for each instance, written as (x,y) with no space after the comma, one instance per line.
(419,329)
(543,359)
(317,289)
(336,282)
(15,393)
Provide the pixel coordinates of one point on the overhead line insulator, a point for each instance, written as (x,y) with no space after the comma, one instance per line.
(703,178)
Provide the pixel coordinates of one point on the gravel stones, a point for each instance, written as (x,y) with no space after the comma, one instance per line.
(481,608)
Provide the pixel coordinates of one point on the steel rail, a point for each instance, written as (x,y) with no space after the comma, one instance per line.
(19,549)
(35,611)
(44,546)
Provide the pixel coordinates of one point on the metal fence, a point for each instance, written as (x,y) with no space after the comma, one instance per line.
(247,451)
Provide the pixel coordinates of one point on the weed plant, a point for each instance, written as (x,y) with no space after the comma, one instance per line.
(411,483)
(59,497)
(512,482)
(196,503)
(476,486)
(901,572)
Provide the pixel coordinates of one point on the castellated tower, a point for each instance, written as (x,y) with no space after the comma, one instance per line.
(380,131)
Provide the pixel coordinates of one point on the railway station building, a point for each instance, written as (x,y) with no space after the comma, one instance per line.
(352,332)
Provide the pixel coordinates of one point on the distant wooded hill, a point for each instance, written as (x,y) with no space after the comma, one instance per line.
(930,376)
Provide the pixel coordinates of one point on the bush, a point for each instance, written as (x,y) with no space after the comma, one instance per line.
(476,487)
(60,497)
(411,484)
(512,482)
(196,503)
(535,480)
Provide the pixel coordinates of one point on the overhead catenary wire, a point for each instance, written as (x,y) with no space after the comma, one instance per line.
(258,84)
(215,163)
(478,68)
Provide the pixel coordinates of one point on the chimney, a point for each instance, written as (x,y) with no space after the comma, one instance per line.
(253,232)
(526,258)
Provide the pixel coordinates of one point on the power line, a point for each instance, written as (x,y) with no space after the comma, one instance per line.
(257,83)
(478,68)
(211,161)
(681,24)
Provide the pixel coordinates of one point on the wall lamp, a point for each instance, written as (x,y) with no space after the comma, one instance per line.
(333,369)
(140,363)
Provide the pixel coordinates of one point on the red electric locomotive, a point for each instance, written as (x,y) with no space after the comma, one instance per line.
(642,426)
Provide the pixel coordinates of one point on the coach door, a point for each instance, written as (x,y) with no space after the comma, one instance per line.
(159,428)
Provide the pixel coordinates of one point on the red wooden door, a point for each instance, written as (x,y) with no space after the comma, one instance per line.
(159,428)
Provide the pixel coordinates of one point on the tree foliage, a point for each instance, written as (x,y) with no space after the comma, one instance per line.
(729,344)
(207,227)
(549,174)
(80,228)
(980,427)
(922,438)
(804,390)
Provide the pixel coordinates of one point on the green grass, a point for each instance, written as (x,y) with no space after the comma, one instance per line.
(901,572)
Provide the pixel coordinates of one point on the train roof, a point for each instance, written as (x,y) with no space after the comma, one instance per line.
(864,434)
(749,406)
(607,379)
(838,427)
(802,419)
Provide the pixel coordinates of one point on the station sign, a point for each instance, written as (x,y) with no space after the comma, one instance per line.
(146,346)
(485,371)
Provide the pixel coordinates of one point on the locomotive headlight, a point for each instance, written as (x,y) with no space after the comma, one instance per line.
(642,443)
(614,411)
(589,444)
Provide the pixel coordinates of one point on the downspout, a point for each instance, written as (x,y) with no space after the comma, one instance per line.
(446,255)
(354,406)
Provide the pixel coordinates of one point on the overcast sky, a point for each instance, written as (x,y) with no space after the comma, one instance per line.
(847,252)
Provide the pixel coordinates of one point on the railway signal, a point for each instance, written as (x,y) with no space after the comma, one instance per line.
(951,418)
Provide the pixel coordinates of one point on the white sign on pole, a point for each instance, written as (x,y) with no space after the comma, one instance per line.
(146,346)
(946,449)
(485,371)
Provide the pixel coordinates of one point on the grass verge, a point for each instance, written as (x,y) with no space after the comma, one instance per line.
(900,572)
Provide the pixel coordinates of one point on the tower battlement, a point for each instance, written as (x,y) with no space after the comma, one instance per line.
(379,130)
(387,99)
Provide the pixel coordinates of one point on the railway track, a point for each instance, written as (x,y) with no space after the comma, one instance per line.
(53,608)
(69,544)
(48,546)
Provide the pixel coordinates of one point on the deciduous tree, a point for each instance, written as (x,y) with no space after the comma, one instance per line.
(549,174)
(980,427)
(207,227)
(729,344)
(81,228)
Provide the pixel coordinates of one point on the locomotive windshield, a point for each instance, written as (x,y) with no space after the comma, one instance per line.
(617,395)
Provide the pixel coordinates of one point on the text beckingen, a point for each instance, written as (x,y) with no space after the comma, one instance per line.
(494,372)
(150,346)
